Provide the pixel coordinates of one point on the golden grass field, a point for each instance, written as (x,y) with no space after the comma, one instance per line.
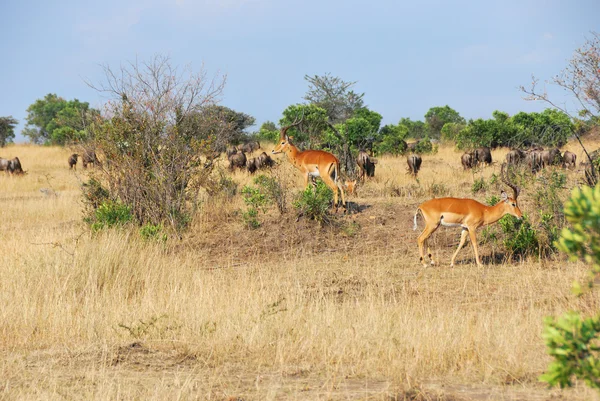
(290,311)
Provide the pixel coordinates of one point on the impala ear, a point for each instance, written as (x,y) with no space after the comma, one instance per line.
(503,195)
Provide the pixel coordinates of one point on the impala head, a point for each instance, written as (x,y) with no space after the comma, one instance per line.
(284,139)
(510,204)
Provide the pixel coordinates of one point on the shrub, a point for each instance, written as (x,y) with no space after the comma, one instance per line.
(255,201)
(572,340)
(520,238)
(314,204)
(111,214)
(479,185)
(153,232)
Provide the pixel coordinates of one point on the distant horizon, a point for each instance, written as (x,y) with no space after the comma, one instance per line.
(405,57)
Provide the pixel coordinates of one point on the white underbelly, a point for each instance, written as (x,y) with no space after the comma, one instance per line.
(314,173)
(450,224)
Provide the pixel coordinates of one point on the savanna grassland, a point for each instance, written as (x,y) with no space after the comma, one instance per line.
(289,311)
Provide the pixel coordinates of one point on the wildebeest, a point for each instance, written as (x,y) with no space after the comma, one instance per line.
(89,157)
(533,159)
(414,164)
(261,161)
(551,157)
(569,159)
(515,157)
(237,160)
(467,160)
(366,165)
(73,161)
(14,166)
(482,155)
(250,147)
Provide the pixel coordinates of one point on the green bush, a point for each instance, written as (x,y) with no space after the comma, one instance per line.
(111,214)
(572,340)
(255,201)
(520,238)
(154,232)
(314,204)
(479,185)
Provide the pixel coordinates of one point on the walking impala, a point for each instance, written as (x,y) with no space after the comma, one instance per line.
(312,163)
(466,213)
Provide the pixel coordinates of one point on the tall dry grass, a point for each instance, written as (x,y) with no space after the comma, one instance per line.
(289,311)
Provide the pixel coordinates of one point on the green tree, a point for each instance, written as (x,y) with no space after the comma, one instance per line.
(268,132)
(313,127)
(451,130)
(54,120)
(416,129)
(334,95)
(572,340)
(7,130)
(436,117)
(392,139)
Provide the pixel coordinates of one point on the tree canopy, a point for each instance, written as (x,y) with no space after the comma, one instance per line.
(7,130)
(54,120)
(437,117)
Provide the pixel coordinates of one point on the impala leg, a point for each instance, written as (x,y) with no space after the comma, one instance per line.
(463,238)
(334,187)
(474,242)
(422,242)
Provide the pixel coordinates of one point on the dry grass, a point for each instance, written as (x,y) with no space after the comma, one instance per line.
(288,311)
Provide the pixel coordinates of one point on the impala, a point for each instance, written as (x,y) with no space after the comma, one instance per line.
(466,213)
(312,163)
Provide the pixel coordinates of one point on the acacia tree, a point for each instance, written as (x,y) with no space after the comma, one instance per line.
(7,129)
(157,135)
(334,95)
(437,117)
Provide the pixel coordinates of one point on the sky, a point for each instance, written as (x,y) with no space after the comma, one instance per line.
(406,56)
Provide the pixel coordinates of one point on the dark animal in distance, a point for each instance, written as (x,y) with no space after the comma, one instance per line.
(89,157)
(261,161)
(515,157)
(414,164)
(232,150)
(4,164)
(237,160)
(533,159)
(467,160)
(73,161)
(551,157)
(569,159)
(366,165)
(482,155)
(250,147)
(14,166)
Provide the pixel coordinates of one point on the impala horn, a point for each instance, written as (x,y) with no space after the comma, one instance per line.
(294,124)
(516,189)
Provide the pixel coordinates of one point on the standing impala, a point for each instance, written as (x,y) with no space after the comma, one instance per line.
(466,213)
(312,163)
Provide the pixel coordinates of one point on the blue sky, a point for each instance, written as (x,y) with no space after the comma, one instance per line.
(406,56)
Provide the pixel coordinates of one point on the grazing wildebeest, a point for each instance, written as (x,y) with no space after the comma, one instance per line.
(366,165)
(14,166)
(89,157)
(252,165)
(237,160)
(414,164)
(466,213)
(73,161)
(265,160)
(569,159)
(515,157)
(482,155)
(551,157)
(250,147)
(467,160)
